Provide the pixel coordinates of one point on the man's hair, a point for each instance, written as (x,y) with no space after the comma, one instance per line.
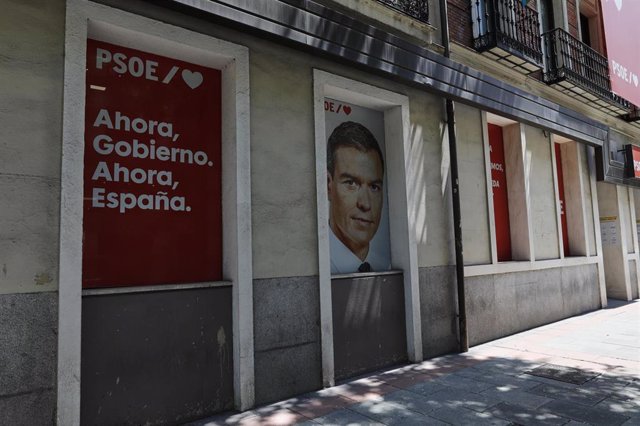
(351,135)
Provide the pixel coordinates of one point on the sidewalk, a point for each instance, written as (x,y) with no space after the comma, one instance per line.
(583,370)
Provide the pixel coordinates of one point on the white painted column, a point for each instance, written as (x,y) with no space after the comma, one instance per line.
(614,241)
(518,163)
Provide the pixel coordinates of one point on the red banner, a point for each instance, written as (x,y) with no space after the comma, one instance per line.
(563,203)
(500,194)
(622,33)
(152,171)
(632,161)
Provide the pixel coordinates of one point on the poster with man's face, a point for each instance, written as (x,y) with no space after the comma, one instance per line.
(357,189)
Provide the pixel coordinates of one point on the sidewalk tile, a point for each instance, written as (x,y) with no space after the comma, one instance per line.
(465,417)
(526,416)
(517,397)
(346,417)
(456,398)
(499,379)
(418,420)
(464,383)
(591,415)
(412,401)
(383,412)
(580,395)
(625,408)
(320,405)
(427,388)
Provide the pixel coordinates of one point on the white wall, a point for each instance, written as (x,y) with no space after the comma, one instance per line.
(476,237)
(543,198)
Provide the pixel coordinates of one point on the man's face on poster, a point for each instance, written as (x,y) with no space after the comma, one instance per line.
(355,194)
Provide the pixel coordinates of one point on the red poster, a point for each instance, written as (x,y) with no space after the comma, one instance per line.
(635,155)
(152,170)
(622,33)
(563,203)
(500,197)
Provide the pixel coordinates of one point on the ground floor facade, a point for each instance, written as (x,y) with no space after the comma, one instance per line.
(182,226)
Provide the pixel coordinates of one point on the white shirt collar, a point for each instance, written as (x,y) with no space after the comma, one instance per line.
(343,261)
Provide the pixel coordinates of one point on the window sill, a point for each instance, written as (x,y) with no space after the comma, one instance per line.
(523,266)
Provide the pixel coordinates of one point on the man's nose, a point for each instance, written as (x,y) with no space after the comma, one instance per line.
(364,199)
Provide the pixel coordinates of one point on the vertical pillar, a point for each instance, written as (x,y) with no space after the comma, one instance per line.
(612,202)
(518,162)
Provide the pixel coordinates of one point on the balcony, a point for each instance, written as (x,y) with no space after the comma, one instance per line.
(507,32)
(581,72)
(418,9)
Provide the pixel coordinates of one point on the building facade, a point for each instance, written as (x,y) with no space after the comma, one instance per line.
(218,204)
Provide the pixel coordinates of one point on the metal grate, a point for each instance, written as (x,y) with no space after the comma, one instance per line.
(418,9)
(569,58)
(563,374)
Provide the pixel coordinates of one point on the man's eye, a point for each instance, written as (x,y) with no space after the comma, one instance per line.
(349,182)
(376,187)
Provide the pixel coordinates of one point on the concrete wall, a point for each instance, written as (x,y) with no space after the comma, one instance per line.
(31,48)
(438,307)
(476,237)
(287,337)
(502,304)
(28,345)
(31,45)
(542,204)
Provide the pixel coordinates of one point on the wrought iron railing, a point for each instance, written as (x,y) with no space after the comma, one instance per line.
(418,9)
(569,58)
(509,25)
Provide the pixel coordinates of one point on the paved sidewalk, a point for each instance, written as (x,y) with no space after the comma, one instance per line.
(583,370)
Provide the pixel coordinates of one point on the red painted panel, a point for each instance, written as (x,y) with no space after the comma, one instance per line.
(152,179)
(500,198)
(563,203)
(635,155)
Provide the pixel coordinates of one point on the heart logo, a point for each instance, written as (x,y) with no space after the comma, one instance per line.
(346,109)
(193,79)
(635,79)
(619,4)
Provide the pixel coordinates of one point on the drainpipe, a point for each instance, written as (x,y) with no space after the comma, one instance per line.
(455,191)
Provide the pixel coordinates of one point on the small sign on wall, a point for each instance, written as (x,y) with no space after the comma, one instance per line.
(152,169)
(632,161)
(609,230)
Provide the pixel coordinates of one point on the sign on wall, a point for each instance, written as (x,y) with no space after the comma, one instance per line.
(152,169)
(356,184)
(609,230)
(622,34)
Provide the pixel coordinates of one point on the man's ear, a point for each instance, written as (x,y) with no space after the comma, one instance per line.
(329,180)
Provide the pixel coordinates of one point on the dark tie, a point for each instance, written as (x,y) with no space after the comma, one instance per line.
(365,267)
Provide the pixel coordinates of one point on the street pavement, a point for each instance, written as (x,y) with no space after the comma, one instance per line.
(582,370)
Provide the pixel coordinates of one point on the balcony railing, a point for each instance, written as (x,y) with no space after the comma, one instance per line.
(570,59)
(507,25)
(418,9)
